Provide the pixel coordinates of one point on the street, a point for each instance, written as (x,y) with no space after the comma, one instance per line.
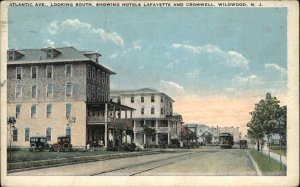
(202,161)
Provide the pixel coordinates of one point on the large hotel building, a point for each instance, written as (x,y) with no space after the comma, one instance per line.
(48,86)
(153,109)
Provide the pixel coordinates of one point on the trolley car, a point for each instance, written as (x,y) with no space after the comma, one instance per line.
(226,140)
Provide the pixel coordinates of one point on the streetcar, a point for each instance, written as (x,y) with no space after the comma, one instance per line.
(226,140)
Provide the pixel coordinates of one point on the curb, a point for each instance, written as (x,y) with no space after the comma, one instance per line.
(254,164)
(114,156)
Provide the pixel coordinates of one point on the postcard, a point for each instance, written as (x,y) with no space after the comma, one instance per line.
(149,93)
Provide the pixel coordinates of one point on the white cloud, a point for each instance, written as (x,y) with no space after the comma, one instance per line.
(277,68)
(115,55)
(141,67)
(49,43)
(53,27)
(251,80)
(75,23)
(136,45)
(69,44)
(190,48)
(109,36)
(172,63)
(172,86)
(230,58)
(193,73)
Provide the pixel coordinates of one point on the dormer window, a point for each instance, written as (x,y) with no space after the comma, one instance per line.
(14,55)
(10,55)
(49,54)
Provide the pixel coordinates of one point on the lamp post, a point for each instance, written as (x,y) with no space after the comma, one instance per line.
(11,125)
(70,123)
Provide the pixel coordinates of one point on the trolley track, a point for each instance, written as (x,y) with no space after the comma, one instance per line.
(156,163)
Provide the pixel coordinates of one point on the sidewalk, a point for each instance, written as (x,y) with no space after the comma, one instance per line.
(275,156)
(272,155)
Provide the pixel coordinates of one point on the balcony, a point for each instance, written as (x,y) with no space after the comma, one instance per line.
(101,119)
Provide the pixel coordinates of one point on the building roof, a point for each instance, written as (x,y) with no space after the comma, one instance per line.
(65,54)
(139,91)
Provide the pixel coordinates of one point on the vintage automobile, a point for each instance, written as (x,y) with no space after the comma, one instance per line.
(243,144)
(38,143)
(63,144)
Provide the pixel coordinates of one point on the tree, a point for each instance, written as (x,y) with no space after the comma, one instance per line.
(148,132)
(267,118)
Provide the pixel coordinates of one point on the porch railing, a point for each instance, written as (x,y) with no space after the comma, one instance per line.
(101,119)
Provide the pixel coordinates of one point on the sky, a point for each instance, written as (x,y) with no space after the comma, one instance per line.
(216,63)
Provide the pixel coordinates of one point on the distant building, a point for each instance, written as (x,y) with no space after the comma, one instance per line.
(48,86)
(203,130)
(153,109)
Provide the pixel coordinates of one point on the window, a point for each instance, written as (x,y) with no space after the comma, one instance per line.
(90,71)
(18,91)
(107,96)
(68,110)
(152,123)
(98,94)
(34,72)
(162,98)
(49,71)
(142,123)
(33,111)
(49,54)
(98,75)
(153,138)
(102,95)
(69,90)
(103,77)
(27,134)
(171,105)
(10,55)
(152,110)
(18,111)
(143,110)
(162,111)
(142,99)
(19,73)
(107,79)
(69,70)
(33,91)
(132,99)
(68,131)
(152,98)
(93,92)
(48,134)
(15,134)
(89,91)
(49,91)
(49,110)
(94,74)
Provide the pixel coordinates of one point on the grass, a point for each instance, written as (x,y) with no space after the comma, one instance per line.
(272,168)
(276,149)
(25,155)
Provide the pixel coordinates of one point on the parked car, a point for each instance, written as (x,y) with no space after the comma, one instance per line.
(63,144)
(38,143)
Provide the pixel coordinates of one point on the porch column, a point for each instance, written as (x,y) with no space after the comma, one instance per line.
(114,140)
(134,131)
(169,140)
(156,128)
(105,129)
(144,133)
